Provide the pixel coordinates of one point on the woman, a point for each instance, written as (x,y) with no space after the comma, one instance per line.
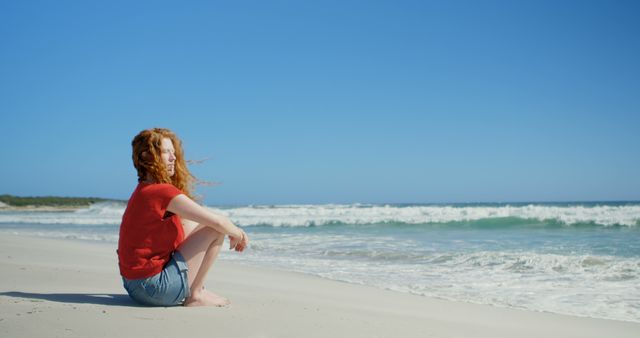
(168,242)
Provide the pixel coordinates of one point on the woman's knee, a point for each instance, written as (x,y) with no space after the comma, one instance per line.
(215,236)
(219,238)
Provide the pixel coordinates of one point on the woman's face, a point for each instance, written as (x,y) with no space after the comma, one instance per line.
(168,156)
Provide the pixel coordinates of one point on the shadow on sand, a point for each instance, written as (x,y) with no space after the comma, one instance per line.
(78,298)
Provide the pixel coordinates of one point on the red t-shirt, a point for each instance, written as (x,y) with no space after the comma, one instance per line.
(148,233)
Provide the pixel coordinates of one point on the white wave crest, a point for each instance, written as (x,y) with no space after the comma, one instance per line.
(96,214)
(310,215)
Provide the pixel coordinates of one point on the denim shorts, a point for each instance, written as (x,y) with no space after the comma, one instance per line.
(170,287)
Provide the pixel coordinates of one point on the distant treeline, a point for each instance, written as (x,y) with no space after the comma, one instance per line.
(53,201)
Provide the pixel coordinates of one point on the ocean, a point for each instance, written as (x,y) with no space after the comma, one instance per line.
(571,258)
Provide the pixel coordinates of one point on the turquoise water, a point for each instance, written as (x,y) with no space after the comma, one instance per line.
(573,258)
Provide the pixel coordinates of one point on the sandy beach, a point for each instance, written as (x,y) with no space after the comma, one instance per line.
(65,288)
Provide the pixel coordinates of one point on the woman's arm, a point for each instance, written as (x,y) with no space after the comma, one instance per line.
(185,207)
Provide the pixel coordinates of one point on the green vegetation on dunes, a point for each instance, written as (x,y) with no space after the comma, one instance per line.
(52,201)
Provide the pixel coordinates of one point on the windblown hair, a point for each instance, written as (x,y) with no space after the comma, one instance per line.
(147,152)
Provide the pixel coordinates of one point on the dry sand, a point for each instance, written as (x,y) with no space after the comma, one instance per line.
(64,288)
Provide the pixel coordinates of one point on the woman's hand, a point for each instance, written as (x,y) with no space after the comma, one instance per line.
(238,242)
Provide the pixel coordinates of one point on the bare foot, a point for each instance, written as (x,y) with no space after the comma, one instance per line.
(206,298)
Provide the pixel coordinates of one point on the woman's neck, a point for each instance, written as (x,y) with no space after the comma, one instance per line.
(148,180)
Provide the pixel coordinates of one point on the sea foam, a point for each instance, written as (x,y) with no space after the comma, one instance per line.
(356,214)
(314,215)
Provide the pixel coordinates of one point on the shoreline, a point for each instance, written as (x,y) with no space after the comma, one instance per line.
(58,287)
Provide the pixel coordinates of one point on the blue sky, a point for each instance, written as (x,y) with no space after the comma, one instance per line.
(327,101)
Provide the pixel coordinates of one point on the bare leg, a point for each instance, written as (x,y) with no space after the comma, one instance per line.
(190,227)
(200,249)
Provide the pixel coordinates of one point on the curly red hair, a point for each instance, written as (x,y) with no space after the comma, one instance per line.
(147,150)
